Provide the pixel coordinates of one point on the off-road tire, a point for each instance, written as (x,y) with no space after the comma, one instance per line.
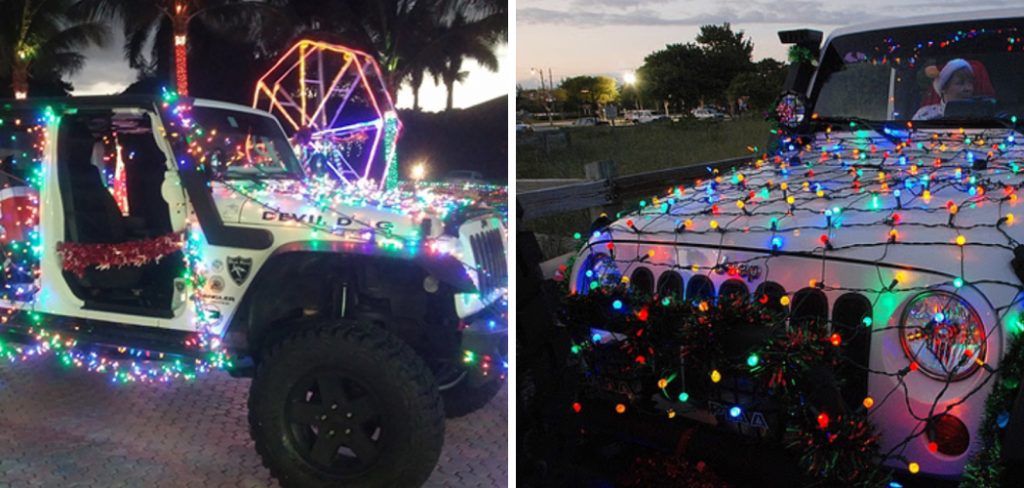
(462,399)
(407,415)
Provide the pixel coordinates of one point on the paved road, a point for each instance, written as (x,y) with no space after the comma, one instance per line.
(68,428)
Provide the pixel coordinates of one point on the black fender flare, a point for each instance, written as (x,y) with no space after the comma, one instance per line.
(446,269)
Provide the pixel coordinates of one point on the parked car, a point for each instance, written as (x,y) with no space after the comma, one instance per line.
(707,113)
(464,176)
(897,235)
(589,122)
(523,128)
(644,116)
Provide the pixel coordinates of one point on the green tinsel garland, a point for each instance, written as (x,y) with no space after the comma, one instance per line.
(391,126)
(798,54)
(985,469)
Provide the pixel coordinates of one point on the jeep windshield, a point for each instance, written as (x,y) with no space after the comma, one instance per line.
(965,73)
(246,145)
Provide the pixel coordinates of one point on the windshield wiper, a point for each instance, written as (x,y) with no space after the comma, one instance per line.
(1000,120)
(261,173)
(858,121)
(1007,121)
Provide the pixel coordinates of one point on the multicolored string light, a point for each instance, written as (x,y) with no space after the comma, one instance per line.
(137,365)
(877,197)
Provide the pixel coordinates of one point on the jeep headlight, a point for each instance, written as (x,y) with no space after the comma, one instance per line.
(446,245)
(598,269)
(943,334)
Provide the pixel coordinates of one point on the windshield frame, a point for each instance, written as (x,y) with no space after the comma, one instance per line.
(290,163)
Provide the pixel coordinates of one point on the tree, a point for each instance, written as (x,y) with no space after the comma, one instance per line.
(589,91)
(761,86)
(461,40)
(418,73)
(411,38)
(394,31)
(170,23)
(698,72)
(726,55)
(445,33)
(40,41)
(629,96)
(675,70)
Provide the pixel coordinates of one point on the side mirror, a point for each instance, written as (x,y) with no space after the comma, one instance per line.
(174,194)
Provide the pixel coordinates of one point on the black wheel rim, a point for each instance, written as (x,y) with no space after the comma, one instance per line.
(335,423)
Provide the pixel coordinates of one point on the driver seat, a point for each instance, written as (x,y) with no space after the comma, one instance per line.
(94,216)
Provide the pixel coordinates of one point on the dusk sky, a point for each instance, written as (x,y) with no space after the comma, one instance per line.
(107,72)
(610,37)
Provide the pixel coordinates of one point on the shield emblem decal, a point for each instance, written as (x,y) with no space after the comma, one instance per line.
(238,268)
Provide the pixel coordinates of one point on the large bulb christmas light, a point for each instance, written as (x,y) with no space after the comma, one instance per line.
(845,192)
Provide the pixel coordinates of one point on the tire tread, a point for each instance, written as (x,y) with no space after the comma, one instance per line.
(386,349)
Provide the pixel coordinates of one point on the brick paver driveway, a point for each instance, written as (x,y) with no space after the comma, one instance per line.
(68,428)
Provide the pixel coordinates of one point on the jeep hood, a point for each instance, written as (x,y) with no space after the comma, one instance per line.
(292,205)
(854,196)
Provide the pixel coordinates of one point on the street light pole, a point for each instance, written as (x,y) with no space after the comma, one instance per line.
(549,100)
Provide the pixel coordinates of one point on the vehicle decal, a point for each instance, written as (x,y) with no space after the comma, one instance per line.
(238,268)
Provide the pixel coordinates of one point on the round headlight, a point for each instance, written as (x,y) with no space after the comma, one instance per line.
(599,269)
(943,334)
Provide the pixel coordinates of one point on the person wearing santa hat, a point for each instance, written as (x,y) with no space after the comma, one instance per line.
(955,82)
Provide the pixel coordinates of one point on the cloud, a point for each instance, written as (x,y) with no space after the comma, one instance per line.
(105,71)
(99,88)
(602,13)
(616,3)
(972,6)
(759,13)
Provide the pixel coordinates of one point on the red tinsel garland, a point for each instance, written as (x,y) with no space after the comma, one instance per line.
(76,258)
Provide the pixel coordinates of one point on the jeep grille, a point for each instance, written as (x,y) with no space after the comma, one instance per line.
(489,254)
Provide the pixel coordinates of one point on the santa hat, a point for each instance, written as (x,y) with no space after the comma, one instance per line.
(951,67)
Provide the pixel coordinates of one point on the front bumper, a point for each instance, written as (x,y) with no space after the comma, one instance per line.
(485,345)
(483,243)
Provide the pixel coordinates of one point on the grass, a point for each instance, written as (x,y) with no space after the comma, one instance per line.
(637,149)
(644,147)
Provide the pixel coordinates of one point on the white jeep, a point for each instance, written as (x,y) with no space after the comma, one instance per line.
(899,234)
(157,237)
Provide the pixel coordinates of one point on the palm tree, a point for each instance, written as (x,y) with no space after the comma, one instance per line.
(394,31)
(416,77)
(429,59)
(169,20)
(462,40)
(38,39)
